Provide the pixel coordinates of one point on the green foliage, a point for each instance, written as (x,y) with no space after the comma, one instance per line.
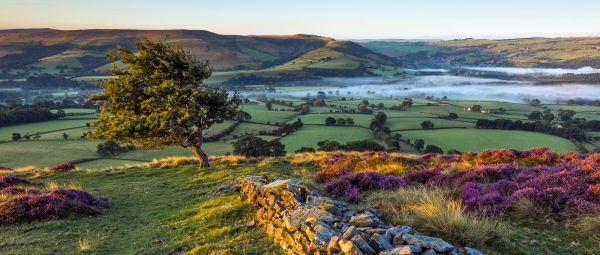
(110,148)
(419,144)
(535,115)
(427,125)
(16,136)
(330,121)
(565,114)
(535,102)
(363,145)
(360,145)
(252,146)
(433,149)
(452,116)
(159,99)
(60,113)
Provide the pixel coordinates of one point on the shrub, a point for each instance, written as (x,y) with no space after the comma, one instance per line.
(62,167)
(330,121)
(173,162)
(329,145)
(252,146)
(23,203)
(330,173)
(350,186)
(427,125)
(4,168)
(305,149)
(433,149)
(364,145)
(435,212)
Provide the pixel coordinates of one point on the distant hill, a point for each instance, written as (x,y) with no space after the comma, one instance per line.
(525,52)
(25,52)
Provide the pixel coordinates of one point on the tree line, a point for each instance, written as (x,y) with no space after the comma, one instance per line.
(571,130)
(17,116)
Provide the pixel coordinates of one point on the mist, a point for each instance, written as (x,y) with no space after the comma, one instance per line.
(454,87)
(535,71)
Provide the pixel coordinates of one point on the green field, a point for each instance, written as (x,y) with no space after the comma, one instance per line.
(362,120)
(44,153)
(51,148)
(415,123)
(308,136)
(261,114)
(250,128)
(482,139)
(76,111)
(32,128)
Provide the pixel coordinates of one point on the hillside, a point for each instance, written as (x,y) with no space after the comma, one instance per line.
(335,58)
(526,52)
(82,52)
(168,206)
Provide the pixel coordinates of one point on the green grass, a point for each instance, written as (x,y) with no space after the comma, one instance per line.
(415,123)
(44,153)
(218,127)
(482,139)
(74,133)
(76,111)
(261,114)
(308,136)
(176,210)
(362,120)
(32,128)
(153,211)
(249,128)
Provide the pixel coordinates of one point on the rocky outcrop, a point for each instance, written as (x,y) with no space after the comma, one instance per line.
(303,222)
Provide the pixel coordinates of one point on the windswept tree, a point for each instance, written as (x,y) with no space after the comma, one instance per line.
(159,99)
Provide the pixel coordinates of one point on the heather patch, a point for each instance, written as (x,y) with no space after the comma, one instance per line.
(62,167)
(351,186)
(23,201)
(487,183)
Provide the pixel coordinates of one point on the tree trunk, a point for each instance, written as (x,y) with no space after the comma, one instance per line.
(202,157)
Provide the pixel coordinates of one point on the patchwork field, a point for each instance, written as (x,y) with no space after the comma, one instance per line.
(47,126)
(459,134)
(479,140)
(308,136)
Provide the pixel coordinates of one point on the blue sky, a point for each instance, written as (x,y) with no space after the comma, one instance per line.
(342,19)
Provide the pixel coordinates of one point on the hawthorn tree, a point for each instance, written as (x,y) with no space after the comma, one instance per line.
(159,99)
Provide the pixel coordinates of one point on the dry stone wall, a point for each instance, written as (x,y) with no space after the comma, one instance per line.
(303,222)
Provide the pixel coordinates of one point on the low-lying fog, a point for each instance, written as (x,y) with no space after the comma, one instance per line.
(535,71)
(454,87)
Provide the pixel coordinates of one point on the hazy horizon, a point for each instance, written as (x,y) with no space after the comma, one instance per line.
(429,19)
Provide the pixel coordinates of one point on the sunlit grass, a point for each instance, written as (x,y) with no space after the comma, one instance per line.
(434,212)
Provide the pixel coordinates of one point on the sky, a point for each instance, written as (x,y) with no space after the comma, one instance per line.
(341,19)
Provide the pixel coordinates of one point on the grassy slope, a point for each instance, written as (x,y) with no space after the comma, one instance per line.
(308,136)
(175,210)
(479,140)
(153,211)
(73,48)
(527,52)
(32,128)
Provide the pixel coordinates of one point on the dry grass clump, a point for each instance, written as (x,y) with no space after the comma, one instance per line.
(227,160)
(55,185)
(84,245)
(435,212)
(169,162)
(588,223)
(173,162)
(306,157)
